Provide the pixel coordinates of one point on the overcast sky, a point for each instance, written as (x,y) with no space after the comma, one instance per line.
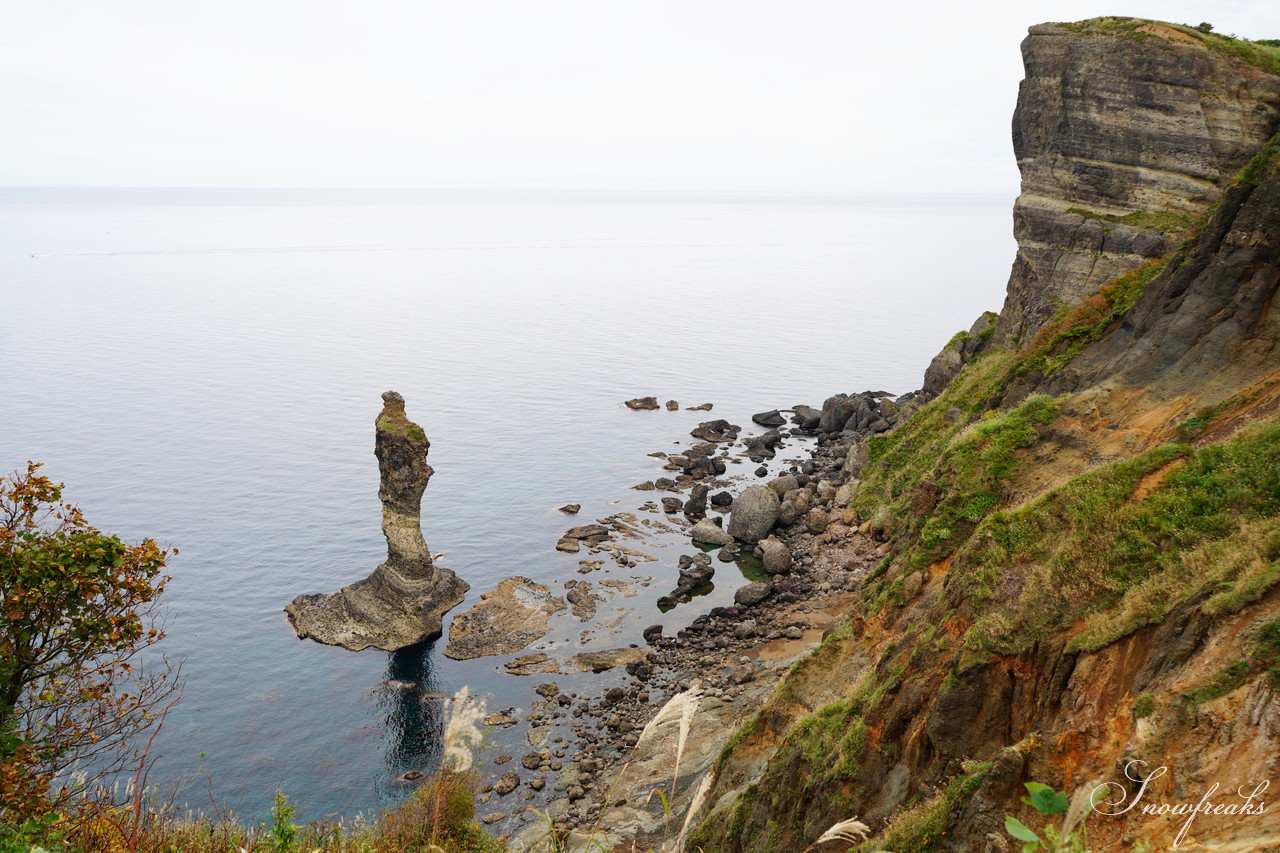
(576,94)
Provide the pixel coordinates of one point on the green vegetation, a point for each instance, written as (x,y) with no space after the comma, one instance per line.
(407,428)
(834,736)
(1262,53)
(1159,220)
(1266,651)
(1102,549)
(78,608)
(1219,683)
(918,828)
(1263,165)
(1143,706)
(1062,339)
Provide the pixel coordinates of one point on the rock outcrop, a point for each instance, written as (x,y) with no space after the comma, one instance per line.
(507,619)
(1126,132)
(406,597)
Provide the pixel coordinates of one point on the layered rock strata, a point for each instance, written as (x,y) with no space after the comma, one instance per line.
(406,597)
(1126,132)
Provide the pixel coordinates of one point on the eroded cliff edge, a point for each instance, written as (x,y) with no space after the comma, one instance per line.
(1080,535)
(1126,132)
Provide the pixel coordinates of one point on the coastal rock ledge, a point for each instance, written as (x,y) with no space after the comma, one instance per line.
(405,599)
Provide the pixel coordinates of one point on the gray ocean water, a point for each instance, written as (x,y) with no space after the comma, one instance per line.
(203,367)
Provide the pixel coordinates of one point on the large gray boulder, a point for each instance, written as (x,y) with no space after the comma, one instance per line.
(754,513)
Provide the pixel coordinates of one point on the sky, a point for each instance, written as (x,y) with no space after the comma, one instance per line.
(696,95)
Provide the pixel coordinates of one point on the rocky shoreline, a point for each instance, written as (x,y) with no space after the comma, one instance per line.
(594,758)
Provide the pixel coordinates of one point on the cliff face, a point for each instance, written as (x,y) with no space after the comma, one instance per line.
(1126,132)
(1081,533)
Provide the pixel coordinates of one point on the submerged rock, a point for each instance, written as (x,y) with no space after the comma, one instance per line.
(507,619)
(406,597)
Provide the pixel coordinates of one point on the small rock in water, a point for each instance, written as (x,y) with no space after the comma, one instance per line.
(673,406)
(493,817)
(705,407)
(762,471)
(569,546)
(771,418)
(571,508)
(672,505)
(721,499)
(642,403)
(508,783)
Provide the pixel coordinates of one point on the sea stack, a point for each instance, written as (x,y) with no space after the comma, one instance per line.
(405,599)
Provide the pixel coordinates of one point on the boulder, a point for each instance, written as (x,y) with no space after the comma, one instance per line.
(835,413)
(771,418)
(717,431)
(806,417)
(776,556)
(707,532)
(752,594)
(754,513)
(697,503)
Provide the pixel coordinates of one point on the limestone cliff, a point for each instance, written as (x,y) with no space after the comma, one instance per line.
(1079,538)
(406,597)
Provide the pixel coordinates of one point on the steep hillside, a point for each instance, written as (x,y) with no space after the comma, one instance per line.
(1080,534)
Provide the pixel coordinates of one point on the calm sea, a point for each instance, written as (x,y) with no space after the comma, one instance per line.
(203,367)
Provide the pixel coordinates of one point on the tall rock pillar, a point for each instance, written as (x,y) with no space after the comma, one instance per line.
(404,601)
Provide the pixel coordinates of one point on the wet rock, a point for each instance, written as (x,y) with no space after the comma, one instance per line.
(529,664)
(729,553)
(587,532)
(717,431)
(505,785)
(672,505)
(404,601)
(505,621)
(697,503)
(762,447)
(547,690)
(652,633)
(642,403)
(704,407)
(493,817)
(601,661)
(499,720)
(646,486)
(571,509)
(530,761)
(673,406)
(754,513)
(569,546)
(501,760)
(771,418)
(806,418)
(708,532)
(721,499)
(752,594)
(762,471)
